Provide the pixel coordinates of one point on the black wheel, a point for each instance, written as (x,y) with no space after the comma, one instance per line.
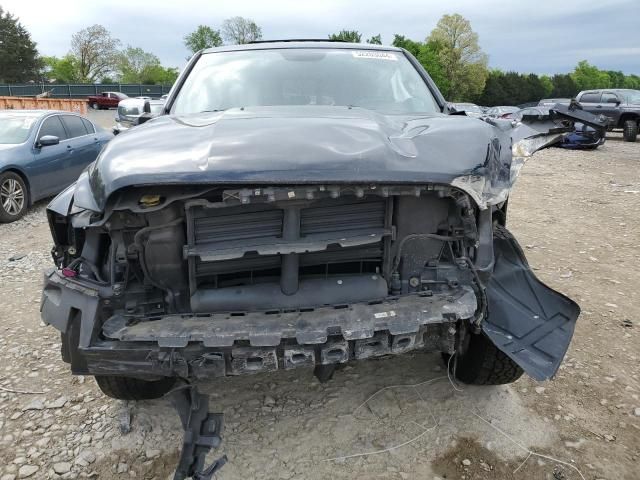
(13,197)
(127,388)
(484,364)
(630,130)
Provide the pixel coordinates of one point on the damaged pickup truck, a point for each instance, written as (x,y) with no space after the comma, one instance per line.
(302,204)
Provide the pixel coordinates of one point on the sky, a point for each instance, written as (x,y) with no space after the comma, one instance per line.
(539,36)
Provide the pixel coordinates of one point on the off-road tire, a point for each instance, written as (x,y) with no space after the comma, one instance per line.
(484,364)
(14,179)
(630,130)
(127,388)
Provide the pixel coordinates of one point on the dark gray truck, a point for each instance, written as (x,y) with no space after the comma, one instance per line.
(620,106)
(300,204)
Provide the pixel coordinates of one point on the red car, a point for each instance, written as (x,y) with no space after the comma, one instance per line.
(106,100)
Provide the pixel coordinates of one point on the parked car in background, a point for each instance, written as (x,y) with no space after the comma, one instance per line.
(583,136)
(105,100)
(621,106)
(41,153)
(552,101)
(471,109)
(131,112)
(502,111)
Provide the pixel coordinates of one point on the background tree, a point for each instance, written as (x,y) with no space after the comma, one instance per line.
(411,46)
(563,86)
(632,81)
(60,70)
(463,62)
(134,65)
(589,76)
(18,54)
(352,36)
(201,38)
(240,30)
(95,51)
(375,40)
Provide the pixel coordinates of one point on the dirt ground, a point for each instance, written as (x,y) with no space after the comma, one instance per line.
(576,215)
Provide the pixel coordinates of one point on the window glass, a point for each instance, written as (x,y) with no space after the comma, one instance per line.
(633,96)
(606,97)
(593,97)
(378,80)
(88,125)
(53,126)
(74,126)
(15,127)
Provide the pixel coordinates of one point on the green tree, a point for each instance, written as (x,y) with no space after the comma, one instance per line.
(547,85)
(411,46)
(95,51)
(239,30)
(429,58)
(589,76)
(60,70)
(159,75)
(617,79)
(352,36)
(375,40)
(134,65)
(632,81)
(19,60)
(463,61)
(563,86)
(201,38)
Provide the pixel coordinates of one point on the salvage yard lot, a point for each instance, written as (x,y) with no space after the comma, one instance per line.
(576,215)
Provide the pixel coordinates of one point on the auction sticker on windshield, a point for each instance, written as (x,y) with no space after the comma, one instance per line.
(375,54)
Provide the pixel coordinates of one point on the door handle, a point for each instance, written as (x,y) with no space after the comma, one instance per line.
(598,106)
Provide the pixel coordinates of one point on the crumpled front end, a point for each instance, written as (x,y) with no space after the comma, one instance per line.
(211,282)
(225,276)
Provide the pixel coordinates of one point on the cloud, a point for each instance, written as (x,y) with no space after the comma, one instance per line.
(542,36)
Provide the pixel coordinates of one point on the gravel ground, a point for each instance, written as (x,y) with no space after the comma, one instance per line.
(103,118)
(575,213)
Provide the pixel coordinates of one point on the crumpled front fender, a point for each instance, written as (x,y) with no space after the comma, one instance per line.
(527,320)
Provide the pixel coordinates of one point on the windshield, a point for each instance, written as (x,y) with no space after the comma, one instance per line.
(15,127)
(633,96)
(375,79)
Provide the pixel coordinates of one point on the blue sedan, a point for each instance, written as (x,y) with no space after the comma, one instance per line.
(41,152)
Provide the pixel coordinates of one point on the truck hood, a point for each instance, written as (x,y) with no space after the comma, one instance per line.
(309,145)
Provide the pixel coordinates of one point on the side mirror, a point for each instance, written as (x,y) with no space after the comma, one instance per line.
(147,107)
(48,140)
(145,117)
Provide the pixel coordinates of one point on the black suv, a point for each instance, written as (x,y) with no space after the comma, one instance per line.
(621,106)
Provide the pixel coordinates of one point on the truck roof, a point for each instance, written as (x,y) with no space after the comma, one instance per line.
(299,43)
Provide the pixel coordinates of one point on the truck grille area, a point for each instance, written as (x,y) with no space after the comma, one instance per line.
(247,245)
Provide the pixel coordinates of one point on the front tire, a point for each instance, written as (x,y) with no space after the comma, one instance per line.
(13,197)
(94,105)
(128,388)
(630,130)
(484,364)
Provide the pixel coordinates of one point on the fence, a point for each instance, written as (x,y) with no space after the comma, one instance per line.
(82,90)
